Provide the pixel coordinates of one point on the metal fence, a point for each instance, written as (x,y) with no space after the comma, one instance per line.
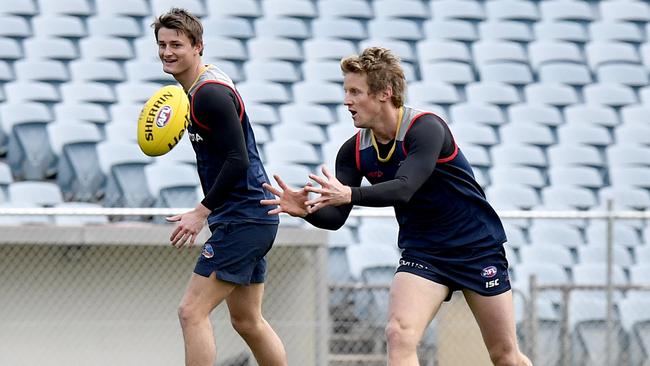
(107,294)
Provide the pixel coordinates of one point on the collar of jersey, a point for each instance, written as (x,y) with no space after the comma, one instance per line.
(392,149)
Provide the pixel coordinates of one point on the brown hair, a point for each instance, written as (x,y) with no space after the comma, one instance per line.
(182,21)
(382,69)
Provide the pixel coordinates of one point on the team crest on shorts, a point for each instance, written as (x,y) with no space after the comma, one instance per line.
(489,272)
(207,251)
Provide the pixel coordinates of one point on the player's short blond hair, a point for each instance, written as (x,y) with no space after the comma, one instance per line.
(182,21)
(382,69)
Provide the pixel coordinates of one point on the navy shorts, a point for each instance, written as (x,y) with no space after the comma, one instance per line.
(236,251)
(482,270)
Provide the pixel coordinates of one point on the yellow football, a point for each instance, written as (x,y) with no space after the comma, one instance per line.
(163,120)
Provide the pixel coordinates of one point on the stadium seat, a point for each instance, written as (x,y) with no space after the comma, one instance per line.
(588,321)
(56,26)
(295,113)
(560,10)
(357,9)
(50,48)
(584,134)
(78,173)
(624,11)
(476,113)
(44,194)
(476,155)
(503,175)
(228,27)
(34,91)
(596,114)
(527,134)
(183,152)
(104,26)
(450,29)
(546,51)
(172,184)
(262,48)
(492,92)
(630,176)
(196,7)
(465,133)
(242,8)
(293,151)
(606,30)
(550,93)
(635,134)
(432,92)
(544,232)
(452,9)
(310,133)
(402,29)
(625,197)
(526,155)
(561,31)
(225,49)
(430,51)
(327,49)
(581,176)
(458,73)
(262,114)
(488,51)
(122,164)
(574,155)
(133,8)
(534,113)
(19,7)
(565,73)
(263,92)
(512,10)
(10,49)
(338,28)
(272,27)
(14,26)
(600,53)
(293,175)
(317,93)
(567,197)
(103,71)
(406,9)
(270,70)
(635,320)
(624,154)
(547,253)
(634,114)
(79,91)
(610,94)
(505,30)
(516,74)
(41,70)
(109,48)
(322,71)
(147,71)
(289,8)
(512,197)
(624,235)
(6,178)
(545,273)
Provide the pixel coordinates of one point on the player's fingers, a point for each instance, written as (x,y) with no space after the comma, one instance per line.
(314,189)
(314,208)
(326,172)
(174,233)
(181,239)
(315,201)
(281,183)
(317,179)
(269,202)
(272,189)
(173,218)
(192,239)
(274,211)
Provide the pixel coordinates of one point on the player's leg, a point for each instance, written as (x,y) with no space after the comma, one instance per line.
(203,294)
(245,306)
(496,319)
(414,301)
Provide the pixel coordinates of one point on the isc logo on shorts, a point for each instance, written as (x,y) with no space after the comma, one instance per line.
(490,272)
(207,251)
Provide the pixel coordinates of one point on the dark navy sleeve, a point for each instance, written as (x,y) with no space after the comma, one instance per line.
(333,217)
(424,142)
(215,106)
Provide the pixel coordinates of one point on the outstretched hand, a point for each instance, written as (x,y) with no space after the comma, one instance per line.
(332,192)
(289,201)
